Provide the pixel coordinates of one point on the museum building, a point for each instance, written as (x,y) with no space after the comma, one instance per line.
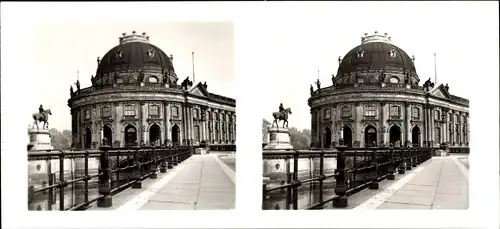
(376,100)
(135,99)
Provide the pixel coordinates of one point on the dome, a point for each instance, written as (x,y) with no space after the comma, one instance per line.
(374,57)
(134,54)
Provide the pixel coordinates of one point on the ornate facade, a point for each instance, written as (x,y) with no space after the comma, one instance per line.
(135,99)
(376,100)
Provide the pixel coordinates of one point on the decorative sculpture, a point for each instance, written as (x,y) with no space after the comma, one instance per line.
(446,87)
(318,84)
(141,77)
(282,115)
(42,116)
(92,80)
(70,90)
(311,89)
(205,85)
(77,85)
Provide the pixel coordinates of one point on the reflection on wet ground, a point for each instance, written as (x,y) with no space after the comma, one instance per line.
(308,195)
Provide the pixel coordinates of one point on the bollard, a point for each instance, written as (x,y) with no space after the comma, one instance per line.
(340,178)
(408,160)
(163,164)
(105,178)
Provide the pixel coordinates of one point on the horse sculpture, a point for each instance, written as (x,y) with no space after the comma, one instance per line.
(37,117)
(278,116)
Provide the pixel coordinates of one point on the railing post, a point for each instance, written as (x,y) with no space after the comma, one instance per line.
(163,163)
(137,172)
(392,165)
(87,178)
(340,176)
(408,159)
(153,166)
(374,163)
(415,157)
(296,182)
(105,178)
(321,174)
(401,169)
(264,195)
(62,183)
(288,181)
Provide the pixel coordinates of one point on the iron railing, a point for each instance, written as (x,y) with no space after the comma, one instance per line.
(461,150)
(356,169)
(222,147)
(142,163)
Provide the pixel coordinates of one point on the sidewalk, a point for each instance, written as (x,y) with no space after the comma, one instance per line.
(442,183)
(199,183)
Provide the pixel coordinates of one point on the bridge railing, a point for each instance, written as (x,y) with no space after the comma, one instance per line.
(222,147)
(142,162)
(356,169)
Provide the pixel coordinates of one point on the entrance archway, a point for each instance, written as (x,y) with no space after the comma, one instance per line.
(370,136)
(130,135)
(347,132)
(328,138)
(108,134)
(175,135)
(87,141)
(395,135)
(415,136)
(154,135)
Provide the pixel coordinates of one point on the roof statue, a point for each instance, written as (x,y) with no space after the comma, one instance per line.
(282,114)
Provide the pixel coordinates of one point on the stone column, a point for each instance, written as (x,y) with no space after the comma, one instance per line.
(357,116)
(382,123)
(142,121)
(166,122)
(407,131)
(444,126)
(117,133)
(319,136)
(453,131)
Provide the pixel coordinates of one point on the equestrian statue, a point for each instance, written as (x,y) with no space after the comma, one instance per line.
(42,116)
(282,115)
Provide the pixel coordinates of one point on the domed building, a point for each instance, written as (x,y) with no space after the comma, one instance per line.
(375,99)
(136,99)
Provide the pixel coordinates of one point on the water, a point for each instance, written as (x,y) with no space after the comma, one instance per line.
(308,195)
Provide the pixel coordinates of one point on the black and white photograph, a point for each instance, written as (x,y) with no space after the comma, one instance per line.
(384,125)
(373,114)
(143,125)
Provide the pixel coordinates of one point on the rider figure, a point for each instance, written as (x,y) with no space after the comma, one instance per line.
(41,110)
(282,109)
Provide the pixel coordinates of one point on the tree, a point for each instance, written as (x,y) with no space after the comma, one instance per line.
(60,140)
(265,124)
(300,139)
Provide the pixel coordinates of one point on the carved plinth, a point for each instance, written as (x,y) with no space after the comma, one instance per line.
(279,138)
(39,139)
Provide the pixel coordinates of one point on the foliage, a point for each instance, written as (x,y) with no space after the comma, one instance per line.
(60,140)
(300,139)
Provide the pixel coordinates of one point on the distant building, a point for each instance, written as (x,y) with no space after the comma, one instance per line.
(376,99)
(135,99)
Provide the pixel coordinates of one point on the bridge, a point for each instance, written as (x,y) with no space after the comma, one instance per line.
(370,178)
(134,178)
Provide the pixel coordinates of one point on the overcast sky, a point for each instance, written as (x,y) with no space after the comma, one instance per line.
(56,51)
(464,36)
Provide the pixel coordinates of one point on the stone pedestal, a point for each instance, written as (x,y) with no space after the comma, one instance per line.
(39,139)
(279,138)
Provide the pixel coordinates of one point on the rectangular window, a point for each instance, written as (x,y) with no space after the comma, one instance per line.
(195,113)
(369,111)
(327,113)
(436,115)
(437,135)
(346,112)
(394,111)
(154,110)
(175,111)
(87,114)
(416,112)
(106,112)
(129,110)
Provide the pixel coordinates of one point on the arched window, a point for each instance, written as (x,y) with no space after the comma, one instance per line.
(105,112)
(326,113)
(394,111)
(129,110)
(153,79)
(369,111)
(154,110)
